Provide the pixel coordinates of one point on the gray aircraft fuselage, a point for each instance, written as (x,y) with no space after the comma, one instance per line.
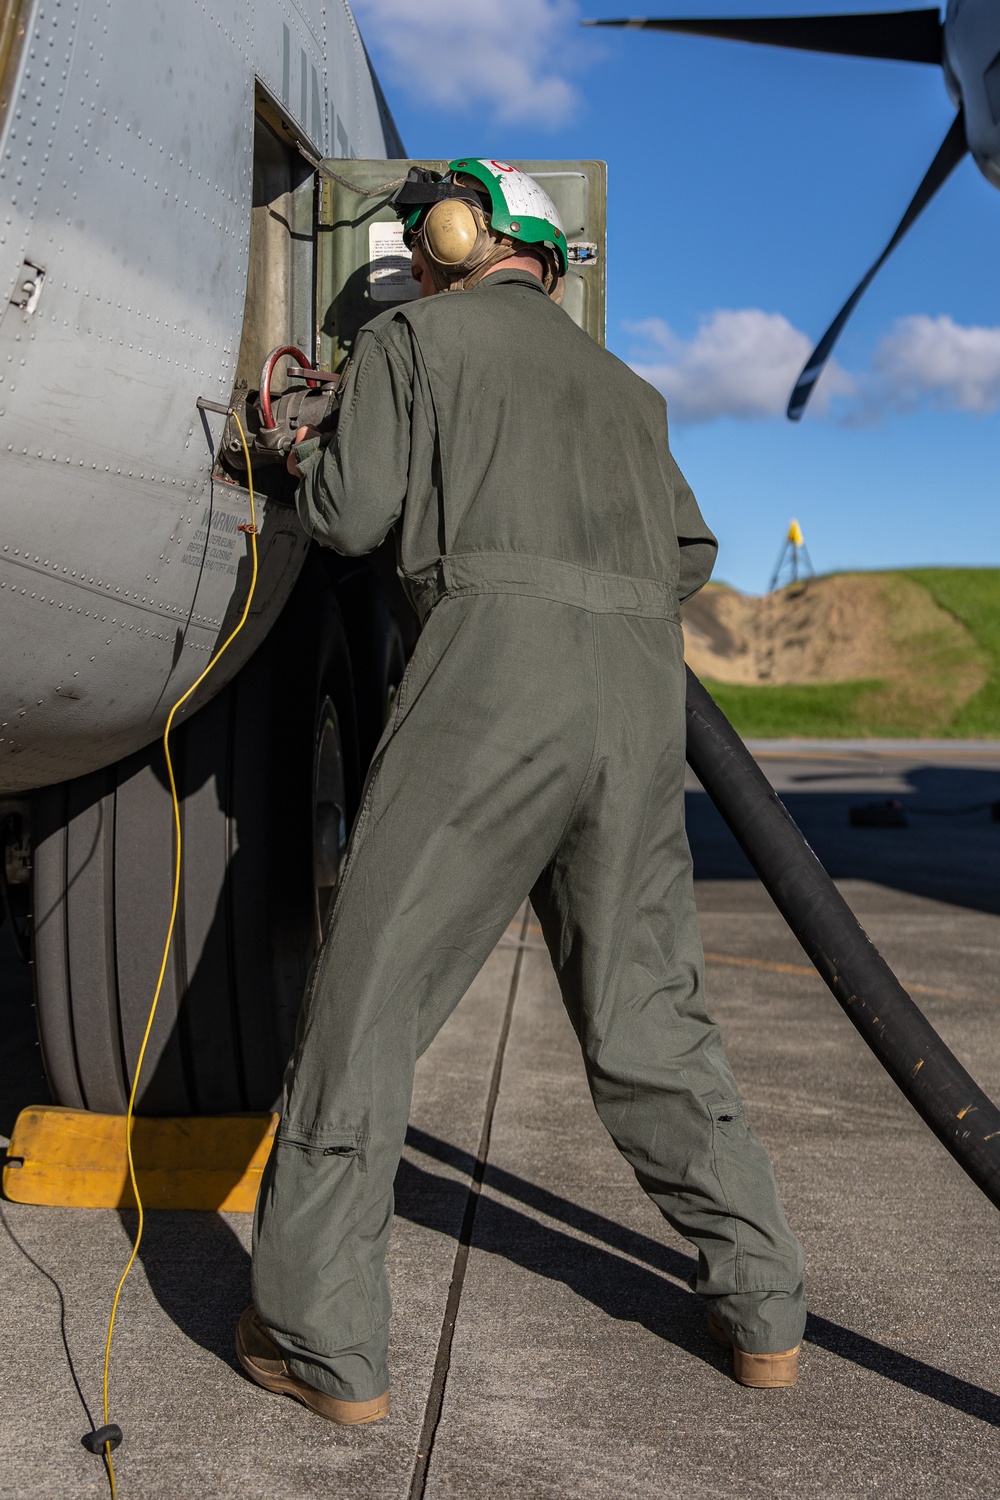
(126,157)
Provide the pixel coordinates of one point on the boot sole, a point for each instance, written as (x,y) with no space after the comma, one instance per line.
(323,1405)
(744,1375)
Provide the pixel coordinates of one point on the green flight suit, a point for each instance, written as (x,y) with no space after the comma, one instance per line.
(536,747)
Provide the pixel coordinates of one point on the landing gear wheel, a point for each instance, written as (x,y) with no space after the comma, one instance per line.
(268,778)
(378,654)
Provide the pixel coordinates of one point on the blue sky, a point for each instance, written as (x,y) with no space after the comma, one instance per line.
(749,188)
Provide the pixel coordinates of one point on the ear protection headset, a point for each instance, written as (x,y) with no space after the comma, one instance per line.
(455,235)
(458,244)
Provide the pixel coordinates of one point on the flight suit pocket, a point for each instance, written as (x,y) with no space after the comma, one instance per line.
(729,1112)
(317,1279)
(729,1138)
(331,1141)
(729,1133)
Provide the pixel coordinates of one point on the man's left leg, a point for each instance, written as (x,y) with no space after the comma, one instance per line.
(467,799)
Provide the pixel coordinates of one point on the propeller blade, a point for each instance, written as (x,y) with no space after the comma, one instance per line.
(904,35)
(953,149)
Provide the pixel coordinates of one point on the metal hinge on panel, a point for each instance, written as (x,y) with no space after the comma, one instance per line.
(28,287)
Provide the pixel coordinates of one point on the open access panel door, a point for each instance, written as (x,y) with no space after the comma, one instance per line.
(363,267)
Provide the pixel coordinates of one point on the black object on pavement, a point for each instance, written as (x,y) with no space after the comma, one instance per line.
(890,814)
(97,1441)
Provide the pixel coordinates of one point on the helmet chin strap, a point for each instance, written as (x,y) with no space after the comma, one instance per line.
(499,251)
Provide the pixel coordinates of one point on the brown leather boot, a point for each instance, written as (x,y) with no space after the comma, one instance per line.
(264,1362)
(764,1371)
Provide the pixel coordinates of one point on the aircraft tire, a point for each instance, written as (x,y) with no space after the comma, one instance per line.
(268,776)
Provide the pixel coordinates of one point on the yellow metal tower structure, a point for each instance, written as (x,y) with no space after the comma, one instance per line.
(794,557)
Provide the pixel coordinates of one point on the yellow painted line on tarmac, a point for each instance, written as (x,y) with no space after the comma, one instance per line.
(769,966)
(843,756)
(802,971)
(515,930)
(761,963)
(807,972)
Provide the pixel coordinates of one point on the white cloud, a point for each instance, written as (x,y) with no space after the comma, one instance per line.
(741,363)
(940,361)
(744,362)
(507,55)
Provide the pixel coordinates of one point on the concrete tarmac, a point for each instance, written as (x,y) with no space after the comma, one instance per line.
(545,1342)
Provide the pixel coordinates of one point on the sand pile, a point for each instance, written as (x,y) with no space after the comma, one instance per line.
(876,627)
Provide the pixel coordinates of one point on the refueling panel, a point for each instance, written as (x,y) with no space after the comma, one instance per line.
(363,267)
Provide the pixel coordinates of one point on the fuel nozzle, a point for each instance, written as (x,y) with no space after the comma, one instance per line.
(270,421)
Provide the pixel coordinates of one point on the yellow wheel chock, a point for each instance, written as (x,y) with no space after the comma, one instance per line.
(72,1158)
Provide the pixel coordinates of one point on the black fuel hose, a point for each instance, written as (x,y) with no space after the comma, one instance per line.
(962,1117)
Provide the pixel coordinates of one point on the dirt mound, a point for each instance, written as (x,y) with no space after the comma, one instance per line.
(881,628)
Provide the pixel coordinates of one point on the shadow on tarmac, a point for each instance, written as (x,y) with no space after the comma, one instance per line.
(198,1270)
(63,1337)
(950,856)
(200,1273)
(627,1291)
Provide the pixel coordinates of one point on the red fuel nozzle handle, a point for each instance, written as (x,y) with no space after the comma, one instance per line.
(267,372)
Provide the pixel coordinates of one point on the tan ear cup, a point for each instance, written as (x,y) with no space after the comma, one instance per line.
(452,232)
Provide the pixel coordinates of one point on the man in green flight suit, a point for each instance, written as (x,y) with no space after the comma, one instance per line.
(536,748)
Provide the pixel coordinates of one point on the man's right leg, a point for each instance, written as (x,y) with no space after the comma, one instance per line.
(471,792)
(617,908)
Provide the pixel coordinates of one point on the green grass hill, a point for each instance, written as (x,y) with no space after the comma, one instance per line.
(912,653)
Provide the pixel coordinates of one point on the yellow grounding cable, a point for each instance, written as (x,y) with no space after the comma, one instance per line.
(251,530)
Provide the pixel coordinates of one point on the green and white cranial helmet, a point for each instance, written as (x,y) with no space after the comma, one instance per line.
(521,209)
(476,216)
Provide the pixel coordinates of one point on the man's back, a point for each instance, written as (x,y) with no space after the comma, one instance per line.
(524,437)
